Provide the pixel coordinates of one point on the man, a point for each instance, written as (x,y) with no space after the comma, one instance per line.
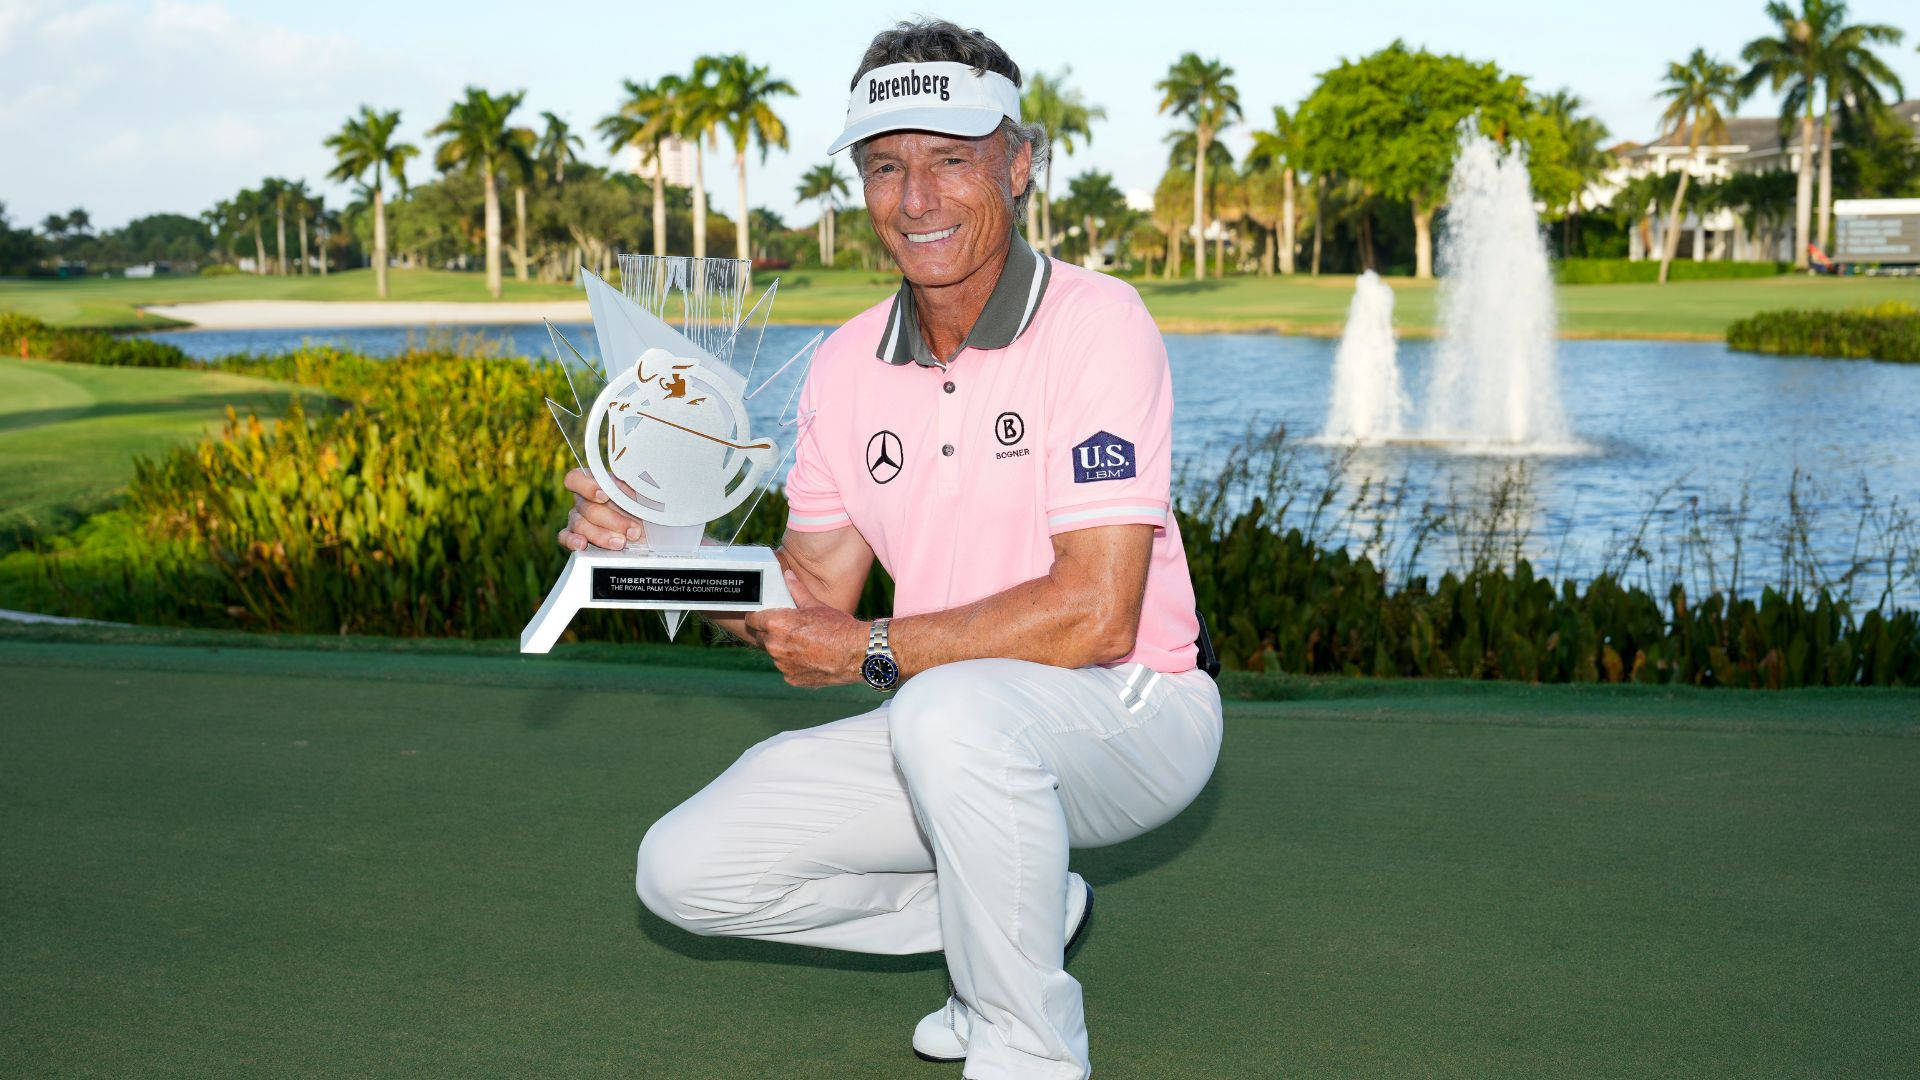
(999,436)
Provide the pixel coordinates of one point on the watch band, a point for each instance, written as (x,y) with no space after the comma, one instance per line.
(879,668)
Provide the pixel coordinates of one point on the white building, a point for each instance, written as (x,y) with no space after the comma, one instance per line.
(1752,144)
(675,164)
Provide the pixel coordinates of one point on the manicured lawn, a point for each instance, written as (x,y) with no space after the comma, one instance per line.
(1683,309)
(69,433)
(110,303)
(335,858)
(1303,305)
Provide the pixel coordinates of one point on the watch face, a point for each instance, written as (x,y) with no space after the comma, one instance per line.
(880,672)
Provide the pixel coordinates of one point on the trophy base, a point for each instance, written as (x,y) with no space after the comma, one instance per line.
(672,582)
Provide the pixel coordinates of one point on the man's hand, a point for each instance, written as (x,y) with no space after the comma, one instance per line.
(812,643)
(594,519)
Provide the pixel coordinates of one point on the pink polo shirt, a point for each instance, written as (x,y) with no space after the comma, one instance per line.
(959,477)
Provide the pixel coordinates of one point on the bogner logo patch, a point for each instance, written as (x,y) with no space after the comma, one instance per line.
(910,84)
(1009,428)
(1105,456)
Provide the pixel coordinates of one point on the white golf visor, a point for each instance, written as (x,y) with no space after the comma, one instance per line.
(940,96)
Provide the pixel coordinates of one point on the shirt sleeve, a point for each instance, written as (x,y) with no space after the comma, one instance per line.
(813,499)
(1110,424)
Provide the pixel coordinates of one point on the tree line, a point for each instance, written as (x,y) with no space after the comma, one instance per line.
(1351,177)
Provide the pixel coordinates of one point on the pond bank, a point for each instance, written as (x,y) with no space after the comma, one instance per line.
(343,314)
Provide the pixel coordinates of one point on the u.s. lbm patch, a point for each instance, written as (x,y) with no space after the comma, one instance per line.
(1104,456)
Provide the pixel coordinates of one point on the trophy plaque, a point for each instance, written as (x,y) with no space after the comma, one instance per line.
(665,425)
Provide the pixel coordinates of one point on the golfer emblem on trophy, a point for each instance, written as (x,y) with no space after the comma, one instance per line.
(665,426)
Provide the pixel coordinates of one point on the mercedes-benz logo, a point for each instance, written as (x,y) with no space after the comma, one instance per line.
(884,456)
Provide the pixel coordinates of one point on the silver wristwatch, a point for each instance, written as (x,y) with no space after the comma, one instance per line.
(879,668)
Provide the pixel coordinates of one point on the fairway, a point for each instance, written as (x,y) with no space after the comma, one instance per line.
(349,858)
(112,303)
(69,433)
(1296,305)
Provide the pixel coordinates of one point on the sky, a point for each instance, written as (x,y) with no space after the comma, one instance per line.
(131,107)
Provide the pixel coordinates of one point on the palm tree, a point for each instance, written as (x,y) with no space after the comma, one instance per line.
(365,144)
(1851,77)
(645,121)
(1097,202)
(1695,91)
(1172,204)
(558,147)
(252,206)
(1792,61)
(824,182)
(1588,162)
(478,138)
(740,94)
(1319,201)
(1814,48)
(696,115)
(1063,114)
(1220,185)
(1637,202)
(1200,91)
(1146,241)
(1279,149)
(273,192)
(555,150)
(300,201)
(1765,199)
(323,222)
(220,219)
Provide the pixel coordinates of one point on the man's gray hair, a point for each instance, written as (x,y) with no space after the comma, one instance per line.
(930,40)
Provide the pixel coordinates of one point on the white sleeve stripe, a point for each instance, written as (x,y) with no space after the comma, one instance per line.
(817,519)
(1158,513)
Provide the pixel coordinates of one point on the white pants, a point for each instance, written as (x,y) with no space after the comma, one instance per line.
(941,820)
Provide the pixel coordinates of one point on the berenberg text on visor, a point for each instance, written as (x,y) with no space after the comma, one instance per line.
(904,85)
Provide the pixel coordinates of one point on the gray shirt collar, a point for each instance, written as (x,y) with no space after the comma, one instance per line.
(1010,307)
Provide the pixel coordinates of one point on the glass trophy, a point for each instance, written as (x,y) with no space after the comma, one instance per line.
(679,434)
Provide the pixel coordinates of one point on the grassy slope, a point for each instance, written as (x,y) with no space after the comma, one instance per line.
(69,432)
(1699,309)
(294,862)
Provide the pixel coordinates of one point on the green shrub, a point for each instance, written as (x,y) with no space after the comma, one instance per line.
(21,334)
(1275,602)
(1626,271)
(427,505)
(1889,331)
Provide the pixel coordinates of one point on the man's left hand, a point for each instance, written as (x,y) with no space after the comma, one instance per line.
(812,643)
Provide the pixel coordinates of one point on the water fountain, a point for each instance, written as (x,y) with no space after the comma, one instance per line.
(1494,386)
(1495,381)
(1368,405)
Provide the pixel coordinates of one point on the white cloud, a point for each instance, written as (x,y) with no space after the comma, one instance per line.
(128,108)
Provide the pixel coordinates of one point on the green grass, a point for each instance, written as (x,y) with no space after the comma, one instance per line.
(111,303)
(1302,305)
(249,861)
(69,432)
(1682,309)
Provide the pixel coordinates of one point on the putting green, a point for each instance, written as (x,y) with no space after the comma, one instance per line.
(337,858)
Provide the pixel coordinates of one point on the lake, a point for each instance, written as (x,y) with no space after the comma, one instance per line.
(1692,447)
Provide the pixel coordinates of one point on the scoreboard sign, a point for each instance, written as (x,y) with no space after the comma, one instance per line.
(1876,230)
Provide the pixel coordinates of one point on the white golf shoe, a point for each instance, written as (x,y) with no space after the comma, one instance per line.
(941,1035)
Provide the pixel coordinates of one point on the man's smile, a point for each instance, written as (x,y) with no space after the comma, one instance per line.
(932,237)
